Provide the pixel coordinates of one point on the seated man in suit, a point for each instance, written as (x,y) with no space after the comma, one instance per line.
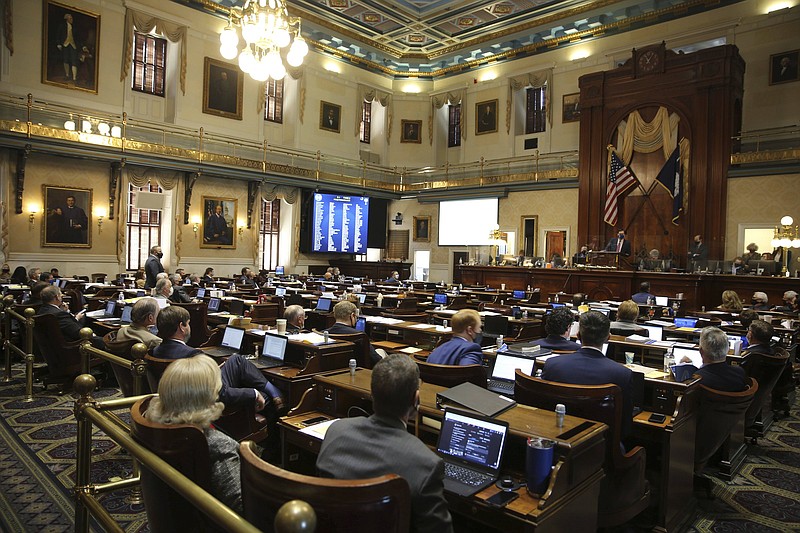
(627,313)
(643,296)
(295,317)
(178,295)
(248,278)
(358,448)
(164,289)
(759,338)
(394,278)
(464,348)
(143,320)
(208,277)
(588,366)
(715,372)
(791,303)
(557,328)
(241,381)
(70,326)
(346,314)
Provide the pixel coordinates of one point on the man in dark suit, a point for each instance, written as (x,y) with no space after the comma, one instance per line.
(178,295)
(759,338)
(153,267)
(588,366)
(715,372)
(698,252)
(241,381)
(557,328)
(248,278)
(70,326)
(619,244)
(295,317)
(346,314)
(216,230)
(464,348)
(358,448)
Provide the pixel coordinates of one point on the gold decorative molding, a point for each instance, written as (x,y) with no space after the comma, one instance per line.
(766,156)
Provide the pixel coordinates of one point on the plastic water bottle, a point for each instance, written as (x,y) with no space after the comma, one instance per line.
(380,300)
(669,360)
(352,368)
(325,336)
(444,324)
(561,410)
(499,343)
(121,297)
(525,314)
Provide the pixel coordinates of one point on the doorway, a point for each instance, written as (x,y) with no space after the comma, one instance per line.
(529,225)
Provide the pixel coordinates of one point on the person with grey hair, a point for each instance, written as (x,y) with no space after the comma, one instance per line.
(391,449)
(346,314)
(178,295)
(751,255)
(760,302)
(33,275)
(790,303)
(188,394)
(143,321)
(164,289)
(70,326)
(295,317)
(716,373)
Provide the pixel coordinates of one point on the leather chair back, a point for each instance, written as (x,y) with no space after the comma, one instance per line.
(718,415)
(765,370)
(124,375)
(63,357)
(354,505)
(185,448)
(451,375)
(361,352)
(155,369)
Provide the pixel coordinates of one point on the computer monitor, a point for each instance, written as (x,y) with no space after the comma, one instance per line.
(495,325)
(280,291)
(362,297)
(557,306)
(440,298)
(280,271)
(274,346)
(140,293)
(201,293)
(324,305)
(213,305)
(126,314)
(236,307)
(662,301)
(762,268)
(111,305)
(518,294)
(685,322)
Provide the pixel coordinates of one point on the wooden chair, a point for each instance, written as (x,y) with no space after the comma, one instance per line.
(360,505)
(361,352)
(720,417)
(123,375)
(198,314)
(624,492)
(63,357)
(451,375)
(625,332)
(155,369)
(765,370)
(185,448)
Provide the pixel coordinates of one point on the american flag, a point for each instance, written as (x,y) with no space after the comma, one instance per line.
(620,179)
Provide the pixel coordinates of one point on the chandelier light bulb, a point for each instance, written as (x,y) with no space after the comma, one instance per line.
(103,128)
(69,125)
(229,37)
(86,126)
(294,59)
(787,221)
(228,52)
(279,72)
(246,60)
(116,131)
(299,46)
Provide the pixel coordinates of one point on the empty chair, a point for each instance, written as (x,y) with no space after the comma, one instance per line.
(719,416)
(361,505)
(624,492)
(451,375)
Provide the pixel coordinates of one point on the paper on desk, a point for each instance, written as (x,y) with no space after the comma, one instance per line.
(312,338)
(663,344)
(637,338)
(656,374)
(546,357)
(318,430)
(421,326)
(256,331)
(489,313)
(410,350)
(662,323)
(640,368)
(443,329)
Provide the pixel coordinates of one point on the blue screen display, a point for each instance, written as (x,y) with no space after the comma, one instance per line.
(340,223)
(518,294)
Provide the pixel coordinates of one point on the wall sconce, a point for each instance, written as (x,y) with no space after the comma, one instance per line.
(100,213)
(241,228)
(32,209)
(195,225)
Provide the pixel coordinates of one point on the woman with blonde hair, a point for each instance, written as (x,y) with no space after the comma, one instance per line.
(731,302)
(187,394)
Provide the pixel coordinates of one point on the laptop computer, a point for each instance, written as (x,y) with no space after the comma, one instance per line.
(502,379)
(140,293)
(107,312)
(280,291)
(519,295)
(655,333)
(124,319)
(362,297)
(440,298)
(685,322)
(662,301)
(274,352)
(279,270)
(323,305)
(201,293)
(236,307)
(495,325)
(472,447)
(231,343)
(213,305)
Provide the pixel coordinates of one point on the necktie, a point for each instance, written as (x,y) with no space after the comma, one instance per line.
(619,245)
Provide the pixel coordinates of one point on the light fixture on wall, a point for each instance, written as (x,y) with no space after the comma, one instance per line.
(785,237)
(241,229)
(266,28)
(32,210)
(195,225)
(100,213)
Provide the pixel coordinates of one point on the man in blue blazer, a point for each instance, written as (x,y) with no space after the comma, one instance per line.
(465,346)
(557,328)
(360,447)
(242,382)
(588,366)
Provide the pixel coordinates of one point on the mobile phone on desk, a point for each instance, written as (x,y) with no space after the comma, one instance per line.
(503,498)
(657,418)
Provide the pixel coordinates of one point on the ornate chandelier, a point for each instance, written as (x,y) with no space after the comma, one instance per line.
(267,29)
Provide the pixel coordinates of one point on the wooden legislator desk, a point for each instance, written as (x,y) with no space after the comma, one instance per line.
(599,284)
(570,503)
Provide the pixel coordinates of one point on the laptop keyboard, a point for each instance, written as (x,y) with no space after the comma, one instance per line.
(500,385)
(465,475)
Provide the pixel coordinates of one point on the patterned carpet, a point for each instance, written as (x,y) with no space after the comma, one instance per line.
(37,469)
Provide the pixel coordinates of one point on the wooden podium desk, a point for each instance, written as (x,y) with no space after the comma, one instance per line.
(409,333)
(570,502)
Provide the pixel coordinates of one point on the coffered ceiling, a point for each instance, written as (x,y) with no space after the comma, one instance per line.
(429,38)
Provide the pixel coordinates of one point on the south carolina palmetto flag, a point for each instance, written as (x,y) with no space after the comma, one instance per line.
(620,179)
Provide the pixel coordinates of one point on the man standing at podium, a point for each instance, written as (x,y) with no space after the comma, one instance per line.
(619,244)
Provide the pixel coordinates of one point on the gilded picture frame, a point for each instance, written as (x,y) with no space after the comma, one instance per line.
(422,229)
(330,116)
(67,217)
(570,108)
(219,222)
(411,131)
(486,117)
(223,89)
(70,47)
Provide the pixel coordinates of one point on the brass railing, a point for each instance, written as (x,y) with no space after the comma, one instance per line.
(767,145)
(34,118)
(26,322)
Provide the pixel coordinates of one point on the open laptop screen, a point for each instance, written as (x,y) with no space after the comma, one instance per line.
(440,298)
(361,323)
(504,366)
(685,322)
(274,346)
(201,293)
(110,306)
(233,337)
(213,305)
(126,314)
(662,301)
(518,294)
(280,291)
(362,297)
(656,333)
(236,307)
(495,324)
(477,441)
(324,305)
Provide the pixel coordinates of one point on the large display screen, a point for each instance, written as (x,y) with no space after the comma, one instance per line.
(467,222)
(340,223)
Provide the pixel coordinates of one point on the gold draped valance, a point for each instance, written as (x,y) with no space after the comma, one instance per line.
(370,94)
(440,100)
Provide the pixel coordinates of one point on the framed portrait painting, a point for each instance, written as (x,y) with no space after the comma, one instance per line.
(219,222)
(222,89)
(70,46)
(570,108)
(67,217)
(330,116)
(411,131)
(486,117)
(422,229)
(783,67)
